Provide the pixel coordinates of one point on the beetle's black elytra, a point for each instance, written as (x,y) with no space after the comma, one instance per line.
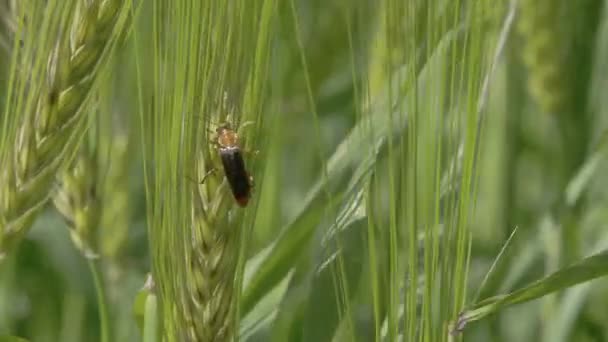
(234,164)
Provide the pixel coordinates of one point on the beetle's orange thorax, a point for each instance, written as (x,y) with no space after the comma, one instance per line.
(227,137)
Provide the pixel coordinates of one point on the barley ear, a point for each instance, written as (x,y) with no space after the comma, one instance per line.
(78,201)
(49,135)
(115,213)
(212,264)
(213,254)
(538,25)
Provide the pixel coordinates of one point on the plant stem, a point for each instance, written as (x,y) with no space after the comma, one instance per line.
(101,300)
(151,329)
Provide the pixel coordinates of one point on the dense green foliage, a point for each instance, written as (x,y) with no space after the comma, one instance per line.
(419,168)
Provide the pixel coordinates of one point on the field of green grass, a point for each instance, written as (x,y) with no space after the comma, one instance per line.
(414,170)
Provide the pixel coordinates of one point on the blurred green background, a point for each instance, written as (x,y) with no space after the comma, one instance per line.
(537,166)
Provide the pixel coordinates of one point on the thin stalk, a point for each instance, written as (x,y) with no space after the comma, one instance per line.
(94,265)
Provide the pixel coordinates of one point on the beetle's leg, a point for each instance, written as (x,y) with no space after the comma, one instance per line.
(245,125)
(209,173)
(253,153)
(204,177)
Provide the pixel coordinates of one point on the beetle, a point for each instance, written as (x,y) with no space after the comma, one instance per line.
(231,154)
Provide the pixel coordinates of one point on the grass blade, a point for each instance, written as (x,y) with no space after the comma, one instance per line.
(590,268)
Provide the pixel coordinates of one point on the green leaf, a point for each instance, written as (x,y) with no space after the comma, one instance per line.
(587,269)
(582,179)
(572,304)
(579,183)
(318,298)
(258,322)
(323,316)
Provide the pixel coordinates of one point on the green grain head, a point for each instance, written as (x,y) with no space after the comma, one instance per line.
(543,53)
(71,45)
(77,199)
(210,70)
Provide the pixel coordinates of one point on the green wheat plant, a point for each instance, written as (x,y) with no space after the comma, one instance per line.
(420,170)
(207,74)
(47,100)
(91,197)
